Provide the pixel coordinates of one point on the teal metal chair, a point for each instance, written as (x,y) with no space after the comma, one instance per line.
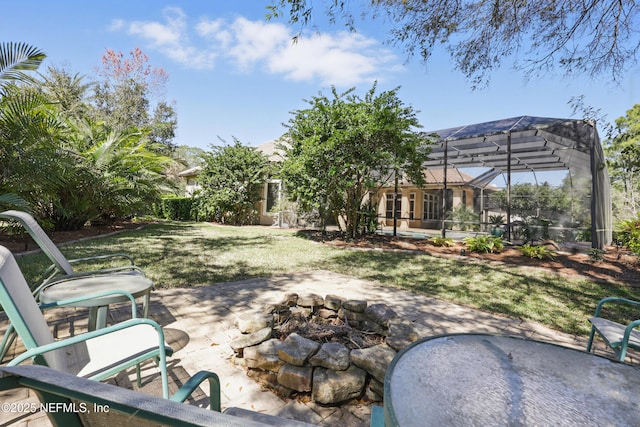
(88,403)
(617,336)
(62,269)
(95,355)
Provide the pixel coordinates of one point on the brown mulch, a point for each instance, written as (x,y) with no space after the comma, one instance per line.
(618,265)
(22,242)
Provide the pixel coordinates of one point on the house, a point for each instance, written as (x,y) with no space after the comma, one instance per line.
(191,177)
(417,207)
(423,207)
(272,193)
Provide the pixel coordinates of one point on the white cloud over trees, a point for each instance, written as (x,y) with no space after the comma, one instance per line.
(341,58)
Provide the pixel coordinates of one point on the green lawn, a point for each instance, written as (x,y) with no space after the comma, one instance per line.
(199,254)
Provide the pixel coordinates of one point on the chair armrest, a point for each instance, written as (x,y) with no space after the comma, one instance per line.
(188,388)
(603,301)
(37,351)
(102,257)
(103,271)
(630,327)
(72,301)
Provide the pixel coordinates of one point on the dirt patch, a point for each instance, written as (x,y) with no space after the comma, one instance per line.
(618,265)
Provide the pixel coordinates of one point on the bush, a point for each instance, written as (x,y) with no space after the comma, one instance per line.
(484,244)
(629,235)
(441,241)
(539,252)
(464,218)
(175,208)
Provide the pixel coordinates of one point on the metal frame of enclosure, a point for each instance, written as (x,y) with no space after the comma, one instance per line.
(530,144)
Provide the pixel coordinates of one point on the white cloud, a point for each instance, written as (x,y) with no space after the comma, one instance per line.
(344,59)
(341,59)
(116,25)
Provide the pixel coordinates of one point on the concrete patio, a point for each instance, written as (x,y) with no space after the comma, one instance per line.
(200,322)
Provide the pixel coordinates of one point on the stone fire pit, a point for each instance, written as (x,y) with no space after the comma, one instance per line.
(333,349)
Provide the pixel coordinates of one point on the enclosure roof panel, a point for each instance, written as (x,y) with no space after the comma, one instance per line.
(531,144)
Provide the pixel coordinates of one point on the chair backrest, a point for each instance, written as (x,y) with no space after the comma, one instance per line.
(41,239)
(23,311)
(100,404)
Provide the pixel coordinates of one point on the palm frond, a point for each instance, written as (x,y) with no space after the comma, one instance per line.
(16,58)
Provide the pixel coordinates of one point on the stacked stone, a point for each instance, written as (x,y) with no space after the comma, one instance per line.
(331,372)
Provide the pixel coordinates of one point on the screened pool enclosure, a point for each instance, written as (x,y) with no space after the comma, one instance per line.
(530,144)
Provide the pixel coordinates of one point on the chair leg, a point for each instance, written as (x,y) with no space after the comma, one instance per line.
(9,337)
(591,337)
(138,376)
(622,352)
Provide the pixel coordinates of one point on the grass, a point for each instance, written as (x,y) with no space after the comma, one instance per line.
(199,254)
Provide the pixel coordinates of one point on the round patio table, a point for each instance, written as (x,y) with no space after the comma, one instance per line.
(480,380)
(136,285)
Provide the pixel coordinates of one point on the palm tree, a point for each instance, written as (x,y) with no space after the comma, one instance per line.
(16,59)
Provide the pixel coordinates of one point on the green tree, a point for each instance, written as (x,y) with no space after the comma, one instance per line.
(123,97)
(535,201)
(117,175)
(341,148)
(623,159)
(592,38)
(232,181)
(70,92)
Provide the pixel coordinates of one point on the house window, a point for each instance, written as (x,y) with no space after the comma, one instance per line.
(390,205)
(412,205)
(431,206)
(273,195)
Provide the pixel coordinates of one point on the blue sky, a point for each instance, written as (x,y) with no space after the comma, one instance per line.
(233,74)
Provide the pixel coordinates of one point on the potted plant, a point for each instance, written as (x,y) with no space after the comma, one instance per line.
(496,221)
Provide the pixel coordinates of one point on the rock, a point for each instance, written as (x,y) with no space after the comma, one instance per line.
(249,340)
(380,313)
(401,333)
(296,350)
(289,300)
(264,356)
(332,355)
(297,378)
(302,312)
(276,309)
(310,300)
(375,360)
(344,313)
(326,313)
(376,387)
(250,322)
(355,305)
(270,379)
(333,302)
(331,387)
(371,326)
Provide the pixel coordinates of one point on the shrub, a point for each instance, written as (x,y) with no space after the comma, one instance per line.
(175,208)
(629,235)
(496,220)
(596,254)
(484,244)
(441,241)
(464,218)
(540,252)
